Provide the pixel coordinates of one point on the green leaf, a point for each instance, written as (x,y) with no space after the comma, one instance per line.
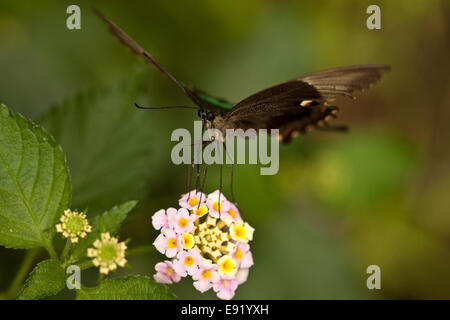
(34,183)
(107,144)
(110,221)
(128,288)
(47,279)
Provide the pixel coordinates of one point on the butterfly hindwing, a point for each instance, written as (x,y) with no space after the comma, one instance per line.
(301,103)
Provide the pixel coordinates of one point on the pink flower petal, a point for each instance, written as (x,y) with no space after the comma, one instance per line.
(172,217)
(184,200)
(161,266)
(225,294)
(160,243)
(175,277)
(196,255)
(241,276)
(159,219)
(244,247)
(162,278)
(179,268)
(202,285)
(182,212)
(233,285)
(192,269)
(169,233)
(170,253)
(215,276)
(247,260)
(214,213)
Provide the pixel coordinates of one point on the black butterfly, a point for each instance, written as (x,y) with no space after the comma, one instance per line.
(293,107)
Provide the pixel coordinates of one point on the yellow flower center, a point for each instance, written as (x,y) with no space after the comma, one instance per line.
(171,243)
(188,241)
(206,274)
(188,261)
(232,213)
(75,224)
(239,232)
(108,252)
(216,206)
(182,222)
(169,271)
(238,254)
(226,265)
(200,212)
(192,202)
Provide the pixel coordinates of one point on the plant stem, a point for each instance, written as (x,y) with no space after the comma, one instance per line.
(140,250)
(27,264)
(51,250)
(87,264)
(66,250)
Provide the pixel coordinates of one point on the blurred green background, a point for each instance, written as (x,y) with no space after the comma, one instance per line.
(340,202)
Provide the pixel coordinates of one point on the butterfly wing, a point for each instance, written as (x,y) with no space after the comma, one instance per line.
(344,81)
(141,52)
(296,105)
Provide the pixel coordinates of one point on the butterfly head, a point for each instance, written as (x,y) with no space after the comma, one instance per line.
(206,115)
(212,119)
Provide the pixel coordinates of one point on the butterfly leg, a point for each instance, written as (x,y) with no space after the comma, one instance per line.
(220,186)
(202,187)
(199,152)
(231,174)
(188,178)
(197,179)
(231,183)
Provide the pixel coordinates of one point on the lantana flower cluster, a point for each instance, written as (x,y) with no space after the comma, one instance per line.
(205,239)
(108,252)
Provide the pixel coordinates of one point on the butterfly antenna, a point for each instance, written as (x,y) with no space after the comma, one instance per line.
(167,107)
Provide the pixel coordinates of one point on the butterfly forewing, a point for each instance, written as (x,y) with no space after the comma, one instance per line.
(125,39)
(344,81)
